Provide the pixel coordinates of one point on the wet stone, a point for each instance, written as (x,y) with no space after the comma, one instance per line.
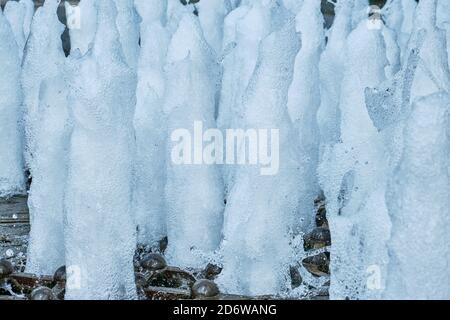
(60,275)
(163,244)
(42,293)
(321,211)
(296,278)
(59,291)
(212,271)
(17,288)
(25,283)
(153,262)
(186,2)
(162,293)
(9,286)
(5,239)
(321,217)
(10,298)
(171,277)
(6,268)
(317,238)
(141,279)
(205,288)
(318,265)
(141,251)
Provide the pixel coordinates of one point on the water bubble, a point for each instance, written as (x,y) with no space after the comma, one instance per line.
(9,253)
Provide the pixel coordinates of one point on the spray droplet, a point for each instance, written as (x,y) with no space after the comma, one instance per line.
(9,253)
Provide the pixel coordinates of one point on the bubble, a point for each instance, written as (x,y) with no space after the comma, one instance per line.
(9,253)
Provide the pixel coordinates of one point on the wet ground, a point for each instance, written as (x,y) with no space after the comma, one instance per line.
(154,278)
(14,230)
